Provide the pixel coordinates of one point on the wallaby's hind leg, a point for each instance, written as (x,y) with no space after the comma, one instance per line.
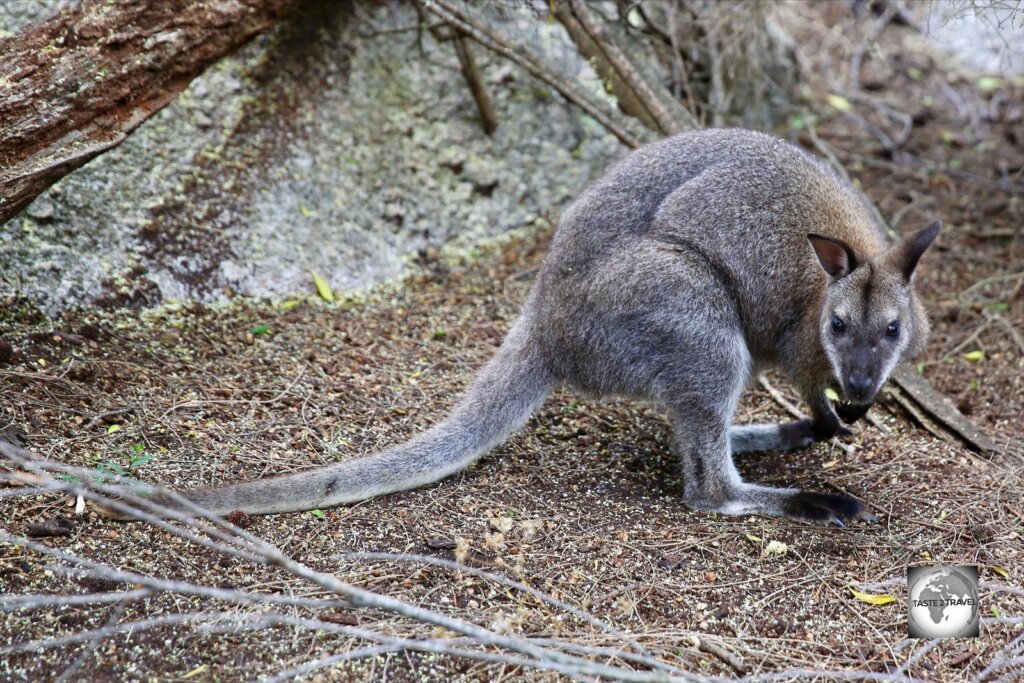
(701,416)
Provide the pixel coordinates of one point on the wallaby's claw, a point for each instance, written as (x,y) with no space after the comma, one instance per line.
(825,507)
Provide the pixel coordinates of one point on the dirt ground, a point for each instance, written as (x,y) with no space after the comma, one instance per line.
(585,503)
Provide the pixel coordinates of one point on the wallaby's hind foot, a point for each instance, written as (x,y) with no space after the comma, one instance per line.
(826,507)
(803,506)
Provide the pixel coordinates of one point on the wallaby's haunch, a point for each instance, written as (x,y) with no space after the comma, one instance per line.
(693,263)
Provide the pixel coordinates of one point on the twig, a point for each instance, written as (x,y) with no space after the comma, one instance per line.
(96,419)
(940,409)
(917,414)
(10,603)
(471,73)
(480,30)
(779,398)
(668,122)
(612,594)
(858,54)
(505,581)
(713,648)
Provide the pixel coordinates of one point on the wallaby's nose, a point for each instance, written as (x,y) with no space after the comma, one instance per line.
(859,384)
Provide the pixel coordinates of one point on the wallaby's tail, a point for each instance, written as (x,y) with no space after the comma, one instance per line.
(500,400)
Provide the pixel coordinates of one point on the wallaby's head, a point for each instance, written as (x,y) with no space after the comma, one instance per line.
(871,320)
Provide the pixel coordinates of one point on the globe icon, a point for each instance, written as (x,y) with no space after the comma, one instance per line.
(943,603)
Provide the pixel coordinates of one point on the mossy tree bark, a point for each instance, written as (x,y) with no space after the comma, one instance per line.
(80,82)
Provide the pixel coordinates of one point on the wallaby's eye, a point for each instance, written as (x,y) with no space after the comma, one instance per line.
(893,330)
(838,326)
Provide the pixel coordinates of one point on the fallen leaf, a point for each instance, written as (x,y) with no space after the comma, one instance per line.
(670,562)
(194,672)
(323,288)
(872,599)
(831,394)
(987,83)
(839,103)
(1002,572)
(441,543)
(113,428)
(318,513)
(974,356)
(49,528)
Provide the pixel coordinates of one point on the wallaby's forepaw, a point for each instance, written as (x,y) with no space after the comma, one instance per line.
(850,412)
(825,507)
(807,431)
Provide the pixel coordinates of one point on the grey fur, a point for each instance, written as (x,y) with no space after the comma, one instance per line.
(677,277)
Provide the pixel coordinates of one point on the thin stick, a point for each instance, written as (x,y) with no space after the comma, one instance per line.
(484,33)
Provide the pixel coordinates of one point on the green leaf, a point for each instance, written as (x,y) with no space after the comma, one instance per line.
(260,329)
(1002,572)
(974,356)
(831,394)
(318,513)
(323,288)
(839,103)
(290,304)
(872,599)
(112,468)
(996,612)
(113,428)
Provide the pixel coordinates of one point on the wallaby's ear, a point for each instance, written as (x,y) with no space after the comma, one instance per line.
(908,252)
(836,257)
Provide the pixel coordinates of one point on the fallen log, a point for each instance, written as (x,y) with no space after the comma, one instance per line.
(78,83)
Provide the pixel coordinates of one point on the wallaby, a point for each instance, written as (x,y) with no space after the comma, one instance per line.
(691,265)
